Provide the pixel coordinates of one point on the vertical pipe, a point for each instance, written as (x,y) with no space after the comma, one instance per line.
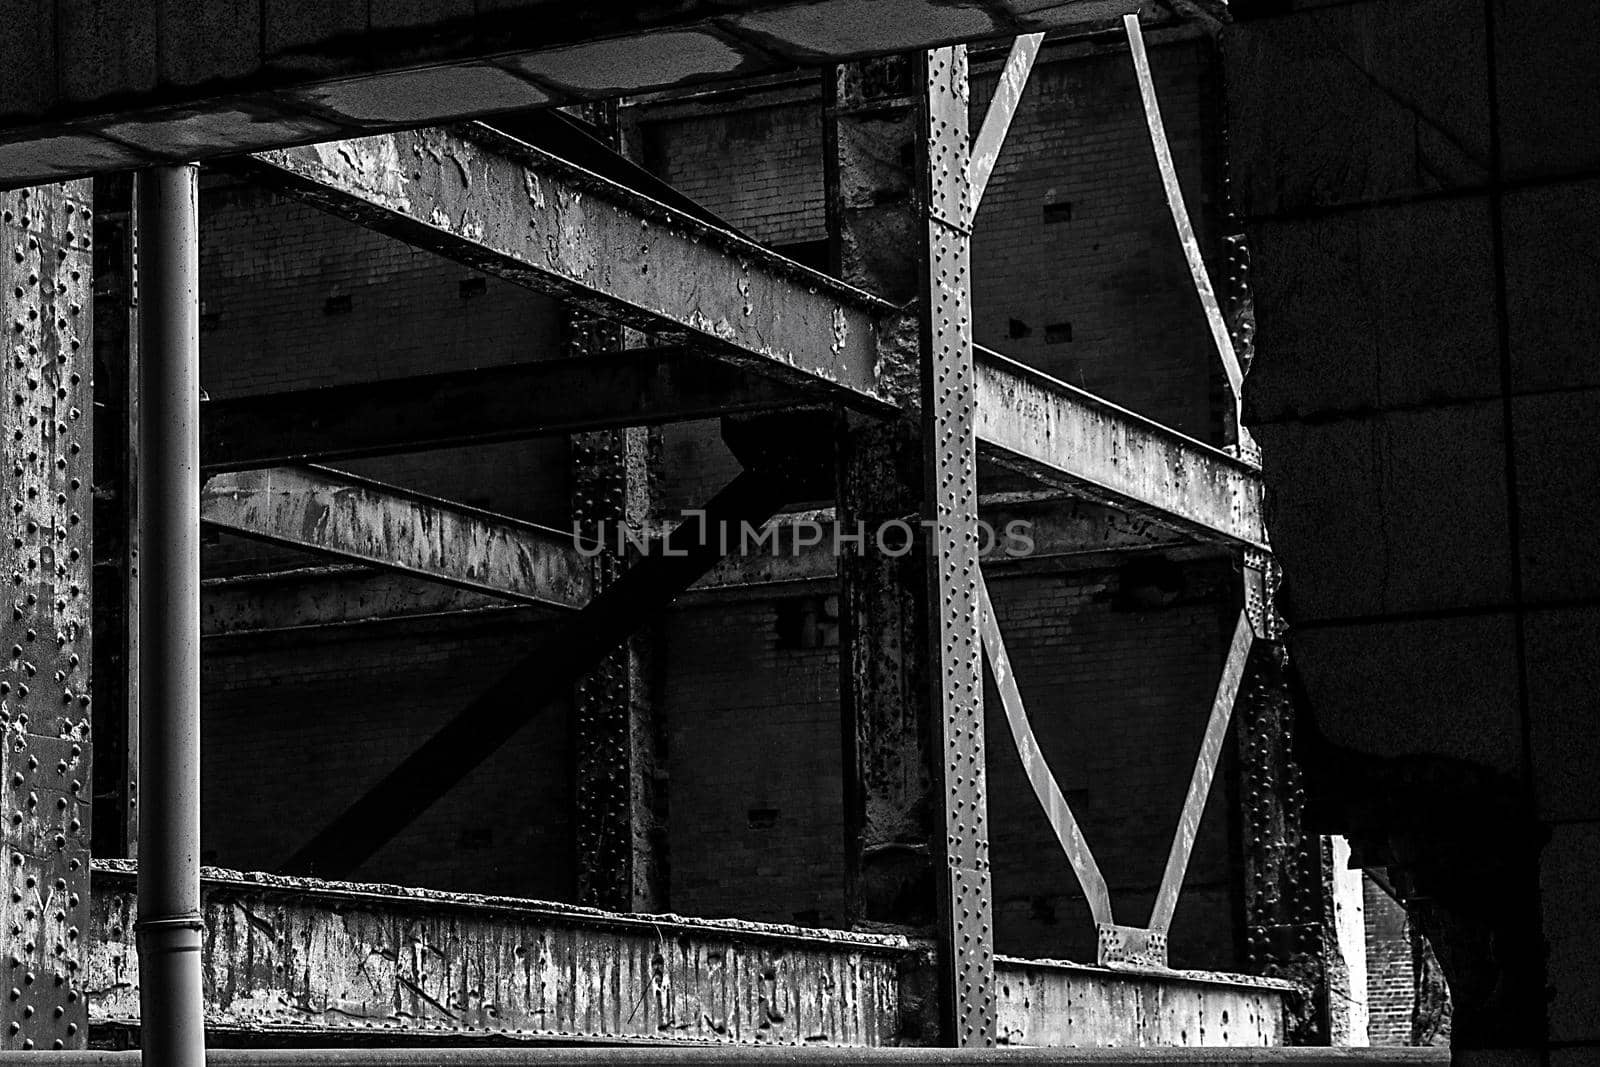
(171,1020)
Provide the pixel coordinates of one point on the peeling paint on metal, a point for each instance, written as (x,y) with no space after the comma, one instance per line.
(283,953)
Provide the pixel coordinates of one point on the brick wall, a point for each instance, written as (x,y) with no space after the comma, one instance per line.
(758,168)
(1391,974)
(754,749)
(294,732)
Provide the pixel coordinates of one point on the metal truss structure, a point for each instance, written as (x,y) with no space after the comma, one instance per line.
(742,331)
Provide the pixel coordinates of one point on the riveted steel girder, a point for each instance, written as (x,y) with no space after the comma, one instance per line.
(355,519)
(474,195)
(1068,438)
(480,197)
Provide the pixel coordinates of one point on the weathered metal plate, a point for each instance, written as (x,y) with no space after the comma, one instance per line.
(286,954)
(45,279)
(1046,1002)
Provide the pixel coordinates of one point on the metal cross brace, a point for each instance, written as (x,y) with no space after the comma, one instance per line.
(1180,215)
(1145,946)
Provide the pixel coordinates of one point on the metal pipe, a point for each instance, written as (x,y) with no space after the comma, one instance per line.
(169,927)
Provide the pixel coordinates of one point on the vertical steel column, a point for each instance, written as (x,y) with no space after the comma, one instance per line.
(171,1013)
(950,510)
(618,862)
(890,808)
(46,289)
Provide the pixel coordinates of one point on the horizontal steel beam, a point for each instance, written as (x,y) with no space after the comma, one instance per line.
(1061,534)
(1063,436)
(419,965)
(480,197)
(506,208)
(354,519)
(631,388)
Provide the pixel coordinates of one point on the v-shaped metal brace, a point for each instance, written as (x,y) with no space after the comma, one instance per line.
(1147,945)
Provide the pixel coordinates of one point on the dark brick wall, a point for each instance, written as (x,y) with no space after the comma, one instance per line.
(295,731)
(758,168)
(1391,976)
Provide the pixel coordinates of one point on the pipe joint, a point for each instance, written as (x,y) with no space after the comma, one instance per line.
(166,936)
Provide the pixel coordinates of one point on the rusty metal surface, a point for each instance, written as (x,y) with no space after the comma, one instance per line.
(46,262)
(1131,946)
(485,406)
(1045,1002)
(1205,769)
(1064,436)
(997,120)
(1045,788)
(297,955)
(950,504)
(358,519)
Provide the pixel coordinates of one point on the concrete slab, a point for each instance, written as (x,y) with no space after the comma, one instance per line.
(1552,243)
(1356,103)
(1547,96)
(1382,308)
(1571,913)
(1443,687)
(1558,493)
(1563,706)
(1401,512)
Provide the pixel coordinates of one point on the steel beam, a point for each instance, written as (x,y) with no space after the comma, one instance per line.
(503,207)
(1065,534)
(1063,436)
(556,396)
(481,197)
(617,851)
(354,519)
(546,674)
